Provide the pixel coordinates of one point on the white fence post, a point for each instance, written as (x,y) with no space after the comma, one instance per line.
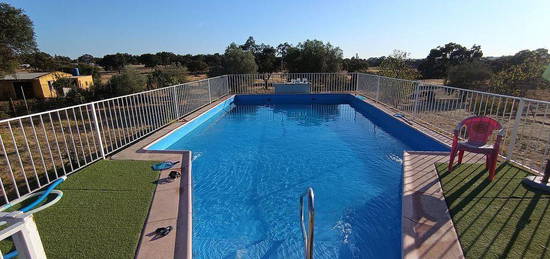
(378,88)
(176,102)
(416,94)
(514,131)
(98,132)
(209,94)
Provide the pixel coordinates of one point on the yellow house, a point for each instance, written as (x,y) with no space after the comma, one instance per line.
(38,85)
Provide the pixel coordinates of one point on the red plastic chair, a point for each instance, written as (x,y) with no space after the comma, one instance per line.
(478,130)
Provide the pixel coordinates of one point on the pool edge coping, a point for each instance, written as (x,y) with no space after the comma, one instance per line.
(165,211)
(428,230)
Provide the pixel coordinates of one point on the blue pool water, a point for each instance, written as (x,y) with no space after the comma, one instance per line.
(253,158)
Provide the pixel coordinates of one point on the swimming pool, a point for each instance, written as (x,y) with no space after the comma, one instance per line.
(253,155)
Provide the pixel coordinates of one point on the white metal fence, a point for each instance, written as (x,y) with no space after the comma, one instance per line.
(526,121)
(319,82)
(39,148)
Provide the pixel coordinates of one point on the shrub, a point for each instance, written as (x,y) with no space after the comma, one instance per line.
(166,76)
(469,75)
(129,81)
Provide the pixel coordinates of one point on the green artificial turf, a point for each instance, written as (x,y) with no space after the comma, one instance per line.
(498,219)
(101,214)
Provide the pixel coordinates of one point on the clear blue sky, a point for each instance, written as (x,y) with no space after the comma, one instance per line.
(369,28)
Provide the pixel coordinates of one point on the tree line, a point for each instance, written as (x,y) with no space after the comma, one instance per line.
(457,65)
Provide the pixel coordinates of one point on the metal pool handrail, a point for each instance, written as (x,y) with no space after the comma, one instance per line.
(308,235)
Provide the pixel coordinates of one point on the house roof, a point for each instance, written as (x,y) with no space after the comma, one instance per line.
(24,76)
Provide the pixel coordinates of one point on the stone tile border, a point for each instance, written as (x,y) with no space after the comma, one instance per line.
(427,227)
(168,209)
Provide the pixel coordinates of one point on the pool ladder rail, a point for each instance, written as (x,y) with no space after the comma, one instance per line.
(308,234)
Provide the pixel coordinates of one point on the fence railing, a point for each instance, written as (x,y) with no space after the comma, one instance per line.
(37,149)
(526,121)
(319,82)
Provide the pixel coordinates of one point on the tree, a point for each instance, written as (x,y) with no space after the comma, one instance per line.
(313,56)
(518,79)
(443,57)
(197,66)
(396,66)
(239,61)
(469,75)
(167,58)
(282,50)
(86,58)
(215,64)
(267,62)
(149,60)
(250,45)
(39,61)
(265,57)
(61,61)
(355,64)
(374,62)
(116,61)
(501,63)
(166,76)
(129,81)
(16,37)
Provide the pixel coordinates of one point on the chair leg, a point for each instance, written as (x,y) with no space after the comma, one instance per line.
(493,166)
(460,155)
(451,160)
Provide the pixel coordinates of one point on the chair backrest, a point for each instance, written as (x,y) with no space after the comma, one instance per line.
(479,128)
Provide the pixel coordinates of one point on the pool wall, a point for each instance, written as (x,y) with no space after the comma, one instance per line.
(178,133)
(394,126)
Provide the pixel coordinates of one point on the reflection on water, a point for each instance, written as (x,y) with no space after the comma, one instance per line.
(306,114)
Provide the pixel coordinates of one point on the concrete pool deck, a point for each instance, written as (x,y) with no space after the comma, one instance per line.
(171,207)
(427,228)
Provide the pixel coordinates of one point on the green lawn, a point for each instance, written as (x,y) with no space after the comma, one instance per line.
(102,211)
(502,218)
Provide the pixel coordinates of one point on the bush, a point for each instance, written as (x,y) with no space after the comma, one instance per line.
(166,76)
(397,66)
(469,75)
(313,56)
(127,82)
(518,79)
(238,61)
